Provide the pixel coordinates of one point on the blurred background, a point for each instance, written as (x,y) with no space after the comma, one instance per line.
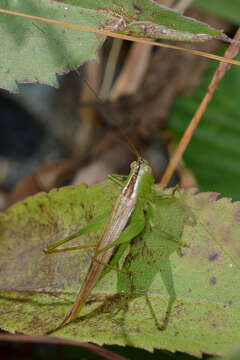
(76,133)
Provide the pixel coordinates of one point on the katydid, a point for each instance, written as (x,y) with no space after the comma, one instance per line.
(125,222)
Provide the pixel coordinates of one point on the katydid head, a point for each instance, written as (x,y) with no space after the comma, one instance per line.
(141,175)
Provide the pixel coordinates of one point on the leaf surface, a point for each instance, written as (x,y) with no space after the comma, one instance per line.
(184,298)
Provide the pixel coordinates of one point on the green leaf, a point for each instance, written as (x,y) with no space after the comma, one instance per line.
(213,153)
(229,11)
(35,51)
(184,299)
(148,19)
(30,53)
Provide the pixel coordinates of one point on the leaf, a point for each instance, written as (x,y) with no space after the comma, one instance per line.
(156,22)
(33,51)
(184,299)
(217,166)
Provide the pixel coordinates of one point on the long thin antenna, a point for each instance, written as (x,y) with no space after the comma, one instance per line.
(132,147)
(104,112)
(66,59)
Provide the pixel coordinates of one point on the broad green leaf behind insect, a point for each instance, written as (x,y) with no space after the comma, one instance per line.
(213,153)
(229,11)
(184,298)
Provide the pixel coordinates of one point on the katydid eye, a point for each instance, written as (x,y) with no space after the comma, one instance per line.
(133,164)
(148,169)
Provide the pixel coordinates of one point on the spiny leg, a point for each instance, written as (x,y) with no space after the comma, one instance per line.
(135,227)
(163,196)
(79,247)
(169,236)
(95,225)
(157,226)
(176,240)
(115,179)
(108,266)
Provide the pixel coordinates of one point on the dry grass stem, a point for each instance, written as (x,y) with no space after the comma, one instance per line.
(133,71)
(182,5)
(110,69)
(121,36)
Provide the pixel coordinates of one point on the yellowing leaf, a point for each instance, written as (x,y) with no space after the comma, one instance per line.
(184,298)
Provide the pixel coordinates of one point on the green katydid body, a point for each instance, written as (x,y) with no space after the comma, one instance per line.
(125,222)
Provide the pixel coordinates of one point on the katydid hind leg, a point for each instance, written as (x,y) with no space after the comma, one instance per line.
(79,247)
(111,267)
(169,236)
(96,224)
(115,262)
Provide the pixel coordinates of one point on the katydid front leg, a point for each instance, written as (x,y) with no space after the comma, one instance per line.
(117,178)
